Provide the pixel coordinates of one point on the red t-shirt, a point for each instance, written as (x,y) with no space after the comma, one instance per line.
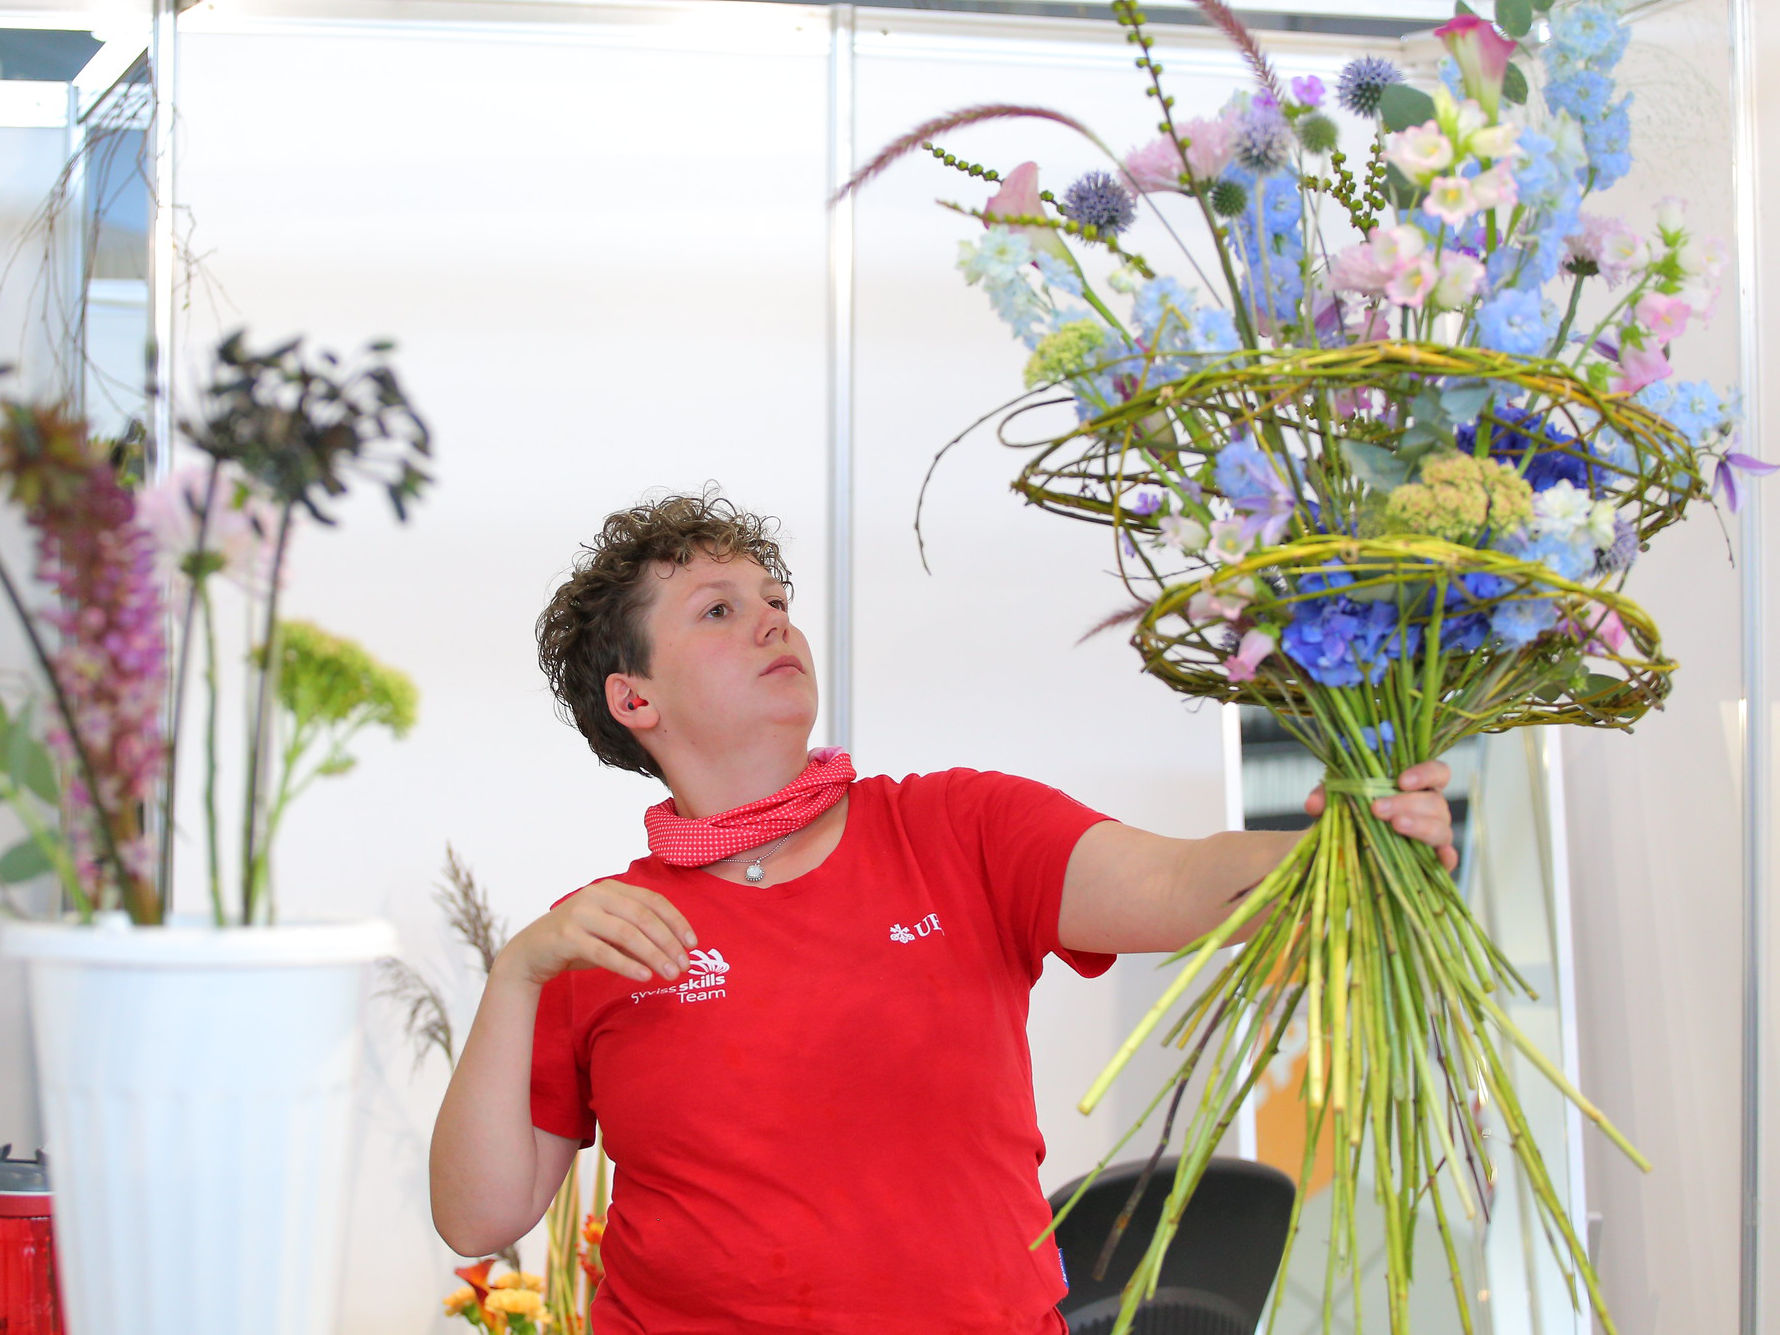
(829,1124)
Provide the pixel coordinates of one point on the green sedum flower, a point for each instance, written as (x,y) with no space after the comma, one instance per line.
(324,679)
(1074,349)
(1457,495)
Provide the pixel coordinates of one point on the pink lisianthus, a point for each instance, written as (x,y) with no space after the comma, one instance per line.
(1255,646)
(1412,284)
(1639,367)
(1157,166)
(1223,604)
(1018,198)
(1421,152)
(1664,317)
(1482,54)
(1450,199)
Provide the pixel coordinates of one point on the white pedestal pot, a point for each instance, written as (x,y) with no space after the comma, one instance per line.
(196,1091)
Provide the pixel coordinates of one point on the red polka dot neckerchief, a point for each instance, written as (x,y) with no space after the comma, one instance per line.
(684,842)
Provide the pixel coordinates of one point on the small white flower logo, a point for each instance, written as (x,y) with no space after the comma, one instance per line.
(709,961)
(901,934)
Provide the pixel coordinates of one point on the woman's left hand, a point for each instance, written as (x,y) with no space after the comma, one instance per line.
(1419,812)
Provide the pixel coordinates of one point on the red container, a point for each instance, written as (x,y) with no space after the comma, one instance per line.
(29,1302)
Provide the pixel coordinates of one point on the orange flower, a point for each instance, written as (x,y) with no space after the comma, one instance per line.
(593,1232)
(476,1276)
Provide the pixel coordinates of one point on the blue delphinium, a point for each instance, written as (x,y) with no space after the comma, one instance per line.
(1098,200)
(1588,41)
(1516,322)
(1059,275)
(1269,242)
(1361,86)
(1695,409)
(1163,313)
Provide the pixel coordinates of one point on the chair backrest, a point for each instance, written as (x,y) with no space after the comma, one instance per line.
(1224,1255)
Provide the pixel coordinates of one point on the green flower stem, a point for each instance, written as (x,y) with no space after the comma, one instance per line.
(212,819)
(1557,344)
(176,705)
(1089,296)
(257,754)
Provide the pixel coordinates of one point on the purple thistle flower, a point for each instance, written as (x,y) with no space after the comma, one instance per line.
(111,666)
(1099,201)
(1361,86)
(1263,141)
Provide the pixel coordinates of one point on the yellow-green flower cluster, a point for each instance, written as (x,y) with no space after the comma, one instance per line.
(325,678)
(1070,350)
(1457,495)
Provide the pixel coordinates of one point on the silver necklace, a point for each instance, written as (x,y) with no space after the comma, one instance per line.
(754,873)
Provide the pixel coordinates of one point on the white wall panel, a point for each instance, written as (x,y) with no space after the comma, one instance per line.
(601,252)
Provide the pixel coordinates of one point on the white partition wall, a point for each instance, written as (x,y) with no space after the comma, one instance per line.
(599,246)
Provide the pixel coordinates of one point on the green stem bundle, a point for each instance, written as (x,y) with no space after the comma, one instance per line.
(1366,935)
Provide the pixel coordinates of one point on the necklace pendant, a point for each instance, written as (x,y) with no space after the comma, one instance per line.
(754,874)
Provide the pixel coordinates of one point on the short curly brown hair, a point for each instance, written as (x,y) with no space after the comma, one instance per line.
(593,625)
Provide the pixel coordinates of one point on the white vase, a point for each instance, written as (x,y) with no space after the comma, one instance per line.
(195,1085)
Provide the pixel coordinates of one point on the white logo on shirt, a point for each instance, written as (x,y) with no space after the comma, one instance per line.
(926,927)
(706,980)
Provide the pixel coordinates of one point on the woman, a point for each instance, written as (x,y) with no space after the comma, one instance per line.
(801,1020)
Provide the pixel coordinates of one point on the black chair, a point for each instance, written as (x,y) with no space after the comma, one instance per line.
(1219,1268)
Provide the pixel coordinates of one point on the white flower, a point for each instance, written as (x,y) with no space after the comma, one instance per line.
(1702,258)
(1571,150)
(1413,282)
(1460,278)
(1600,524)
(1622,250)
(1671,215)
(1183,534)
(1562,508)
(1496,142)
(1228,542)
(1495,188)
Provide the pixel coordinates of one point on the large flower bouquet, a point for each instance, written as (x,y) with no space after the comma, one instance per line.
(1378,473)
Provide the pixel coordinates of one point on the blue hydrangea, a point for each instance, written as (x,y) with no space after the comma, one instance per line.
(1517,323)
(1340,641)
(1098,200)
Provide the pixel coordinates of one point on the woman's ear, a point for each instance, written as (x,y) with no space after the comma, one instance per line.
(625,702)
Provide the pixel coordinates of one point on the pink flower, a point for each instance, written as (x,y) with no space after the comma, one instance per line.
(1209,146)
(1374,326)
(1601,630)
(238,537)
(1255,646)
(1155,167)
(1018,198)
(1482,54)
(1639,367)
(1412,284)
(1421,152)
(1451,199)
(1665,317)
(1356,270)
(1309,90)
